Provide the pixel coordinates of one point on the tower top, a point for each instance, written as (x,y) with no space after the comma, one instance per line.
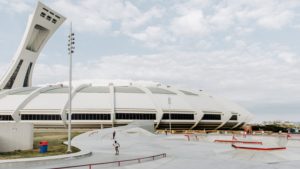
(41,26)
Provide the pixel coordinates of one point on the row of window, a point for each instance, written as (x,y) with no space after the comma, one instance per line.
(45,9)
(58,117)
(48,17)
(211,117)
(86,116)
(135,116)
(119,116)
(166,116)
(6,118)
(40,117)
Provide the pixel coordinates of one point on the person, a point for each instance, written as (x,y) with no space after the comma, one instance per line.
(114,134)
(116,145)
(166,132)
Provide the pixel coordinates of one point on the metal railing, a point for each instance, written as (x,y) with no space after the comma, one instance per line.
(118,162)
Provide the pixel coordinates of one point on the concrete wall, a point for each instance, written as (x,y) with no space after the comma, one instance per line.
(16,136)
(144,124)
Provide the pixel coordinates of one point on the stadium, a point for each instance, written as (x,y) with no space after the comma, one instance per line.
(118,105)
(103,106)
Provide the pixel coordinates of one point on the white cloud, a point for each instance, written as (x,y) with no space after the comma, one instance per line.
(207,18)
(99,16)
(271,14)
(153,36)
(224,47)
(190,24)
(288,57)
(247,73)
(276,21)
(139,19)
(12,6)
(178,23)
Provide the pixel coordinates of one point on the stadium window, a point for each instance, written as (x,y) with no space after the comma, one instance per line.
(211,117)
(175,116)
(233,117)
(43,14)
(48,17)
(54,21)
(40,117)
(135,116)
(6,118)
(88,116)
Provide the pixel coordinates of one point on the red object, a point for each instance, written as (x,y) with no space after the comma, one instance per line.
(259,148)
(236,141)
(43,143)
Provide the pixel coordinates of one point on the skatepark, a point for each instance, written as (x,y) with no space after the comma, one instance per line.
(140,148)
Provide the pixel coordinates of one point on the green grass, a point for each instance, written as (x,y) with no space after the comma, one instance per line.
(55,146)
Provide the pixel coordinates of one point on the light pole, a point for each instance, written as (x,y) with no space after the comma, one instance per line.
(71,47)
(170,126)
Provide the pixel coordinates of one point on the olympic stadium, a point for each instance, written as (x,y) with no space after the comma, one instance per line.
(118,105)
(103,106)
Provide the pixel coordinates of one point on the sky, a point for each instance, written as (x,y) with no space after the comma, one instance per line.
(245,50)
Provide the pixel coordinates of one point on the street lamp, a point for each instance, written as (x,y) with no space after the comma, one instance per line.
(169,103)
(71,48)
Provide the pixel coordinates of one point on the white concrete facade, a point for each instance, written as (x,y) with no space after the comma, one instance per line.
(16,136)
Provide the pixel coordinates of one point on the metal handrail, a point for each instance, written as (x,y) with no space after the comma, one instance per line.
(163,155)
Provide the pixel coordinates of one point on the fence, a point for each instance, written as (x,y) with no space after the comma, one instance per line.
(118,163)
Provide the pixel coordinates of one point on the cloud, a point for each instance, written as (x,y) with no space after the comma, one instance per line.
(191,23)
(179,24)
(247,73)
(243,50)
(101,16)
(276,21)
(139,19)
(206,18)
(12,6)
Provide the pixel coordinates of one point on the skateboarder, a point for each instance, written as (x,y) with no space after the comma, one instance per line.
(114,134)
(116,145)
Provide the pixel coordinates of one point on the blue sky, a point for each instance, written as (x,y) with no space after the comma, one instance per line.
(247,51)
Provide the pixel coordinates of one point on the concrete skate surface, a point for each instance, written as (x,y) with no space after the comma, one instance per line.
(197,153)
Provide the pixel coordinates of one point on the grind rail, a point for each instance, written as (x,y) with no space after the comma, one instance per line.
(118,162)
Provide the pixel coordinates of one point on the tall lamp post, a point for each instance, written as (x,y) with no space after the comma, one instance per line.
(71,47)
(169,103)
